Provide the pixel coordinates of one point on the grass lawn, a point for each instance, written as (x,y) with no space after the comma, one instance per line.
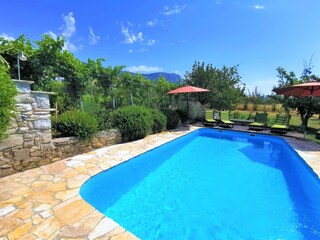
(295,122)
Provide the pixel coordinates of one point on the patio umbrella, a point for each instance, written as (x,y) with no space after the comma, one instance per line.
(308,89)
(187,90)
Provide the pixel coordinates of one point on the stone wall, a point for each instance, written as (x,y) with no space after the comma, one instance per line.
(30,143)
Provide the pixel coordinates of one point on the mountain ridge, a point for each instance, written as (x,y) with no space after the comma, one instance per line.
(170,77)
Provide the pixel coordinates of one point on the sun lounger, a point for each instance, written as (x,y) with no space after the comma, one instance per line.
(281,123)
(260,121)
(209,120)
(225,119)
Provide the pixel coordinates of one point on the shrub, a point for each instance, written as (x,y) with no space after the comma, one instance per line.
(93,106)
(7,101)
(134,122)
(182,114)
(159,121)
(196,110)
(76,123)
(172,118)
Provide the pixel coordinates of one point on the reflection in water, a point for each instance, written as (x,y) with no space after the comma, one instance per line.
(303,190)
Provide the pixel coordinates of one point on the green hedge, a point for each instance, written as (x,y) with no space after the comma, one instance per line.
(134,122)
(172,118)
(8,92)
(159,121)
(76,123)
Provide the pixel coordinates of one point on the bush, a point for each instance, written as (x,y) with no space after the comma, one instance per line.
(196,111)
(92,106)
(182,114)
(7,101)
(159,121)
(172,118)
(134,122)
(76,123)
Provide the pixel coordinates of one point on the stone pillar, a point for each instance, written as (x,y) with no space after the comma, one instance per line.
(29,131)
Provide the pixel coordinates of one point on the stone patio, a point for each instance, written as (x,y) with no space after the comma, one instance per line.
(44,203)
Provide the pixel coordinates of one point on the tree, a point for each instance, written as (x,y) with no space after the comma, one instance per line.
(7,100)
(224,84)
(2,60)
(11,50)
(306,106)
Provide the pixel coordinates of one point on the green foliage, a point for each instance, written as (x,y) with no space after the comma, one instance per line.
(196,111)
(306,106)
(172,117)
(134,122)
(76,123)
(7,100)
(93,105)
(3,62)
(182,114)
(159,121)
(224,84)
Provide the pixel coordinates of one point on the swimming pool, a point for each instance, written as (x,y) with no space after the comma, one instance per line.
(212,185)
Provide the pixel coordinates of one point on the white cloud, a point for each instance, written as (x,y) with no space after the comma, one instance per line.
(70,46)
(67,44)
(258,7)
(151,42)
(152,23)
(69,27)
(131,38)
(52,34)
(6,37)
(176,9)
(93,38)
(144,68)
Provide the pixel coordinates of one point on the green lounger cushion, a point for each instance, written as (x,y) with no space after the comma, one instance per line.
(224,118)
(227,121)
(256,124)
(277,126)
(209,117)
(281,123)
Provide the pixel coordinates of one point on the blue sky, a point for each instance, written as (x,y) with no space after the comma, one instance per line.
(151,36)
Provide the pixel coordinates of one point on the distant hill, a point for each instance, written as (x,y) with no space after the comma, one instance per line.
(170,77)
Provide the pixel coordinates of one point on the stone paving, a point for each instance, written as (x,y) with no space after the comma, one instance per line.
(44,203)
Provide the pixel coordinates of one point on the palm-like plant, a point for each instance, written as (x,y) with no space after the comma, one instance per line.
(2,60)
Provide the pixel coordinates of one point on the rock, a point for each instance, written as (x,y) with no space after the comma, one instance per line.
(21,154)
(28,144)
(45,137)
(24,98)
(23,130)
(7,172)
(23,86)
(12,141)
(35,159)
(25,163)
(42,100)
(23,107)
(28,136)
(34,149)
(17,167)
(42,124)
(35,154)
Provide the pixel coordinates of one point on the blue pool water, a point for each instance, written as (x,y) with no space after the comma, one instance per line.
(212,185)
